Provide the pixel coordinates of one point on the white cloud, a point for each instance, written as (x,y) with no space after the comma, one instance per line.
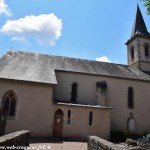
(103,58)
(4,9)
(44,29)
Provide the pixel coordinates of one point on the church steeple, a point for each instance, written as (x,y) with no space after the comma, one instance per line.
(139,27)
(139,44)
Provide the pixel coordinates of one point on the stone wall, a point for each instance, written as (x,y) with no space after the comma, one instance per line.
(20,138)
(30,98)
(2,127)
(3,123)
(96,143)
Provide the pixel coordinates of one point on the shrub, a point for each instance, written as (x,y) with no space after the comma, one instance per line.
(145,133)
(118,136)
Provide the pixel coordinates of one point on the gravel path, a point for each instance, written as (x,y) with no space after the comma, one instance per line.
(56,145)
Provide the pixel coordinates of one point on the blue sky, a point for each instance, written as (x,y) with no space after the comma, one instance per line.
(87,29)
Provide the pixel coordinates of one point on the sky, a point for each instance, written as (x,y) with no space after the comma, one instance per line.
(86,29)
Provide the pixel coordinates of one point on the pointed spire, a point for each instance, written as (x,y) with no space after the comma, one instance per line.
(139,26)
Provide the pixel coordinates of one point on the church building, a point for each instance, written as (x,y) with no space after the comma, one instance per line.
(56,96)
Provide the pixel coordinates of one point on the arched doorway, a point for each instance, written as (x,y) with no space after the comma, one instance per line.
(58,124)
(131,124)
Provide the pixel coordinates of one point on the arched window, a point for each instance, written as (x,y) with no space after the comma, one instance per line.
(74,93)
(132,52)
(90,118)
(12,107)
(130,98)
(6,106)
(146,49)
(69,117)
(9,104)
(58,123)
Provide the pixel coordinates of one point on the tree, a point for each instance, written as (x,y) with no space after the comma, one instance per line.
(147,5)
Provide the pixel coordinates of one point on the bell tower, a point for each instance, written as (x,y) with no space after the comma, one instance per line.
(139,44)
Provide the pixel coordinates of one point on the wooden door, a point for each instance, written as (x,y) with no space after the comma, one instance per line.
(58,124)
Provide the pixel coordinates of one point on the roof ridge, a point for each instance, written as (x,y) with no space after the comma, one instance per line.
(50,55)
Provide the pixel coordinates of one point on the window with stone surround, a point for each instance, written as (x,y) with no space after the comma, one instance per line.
(69,117)
(90,118)
(146,49)
(74,90)
(130,98)
(132,52)
(9,102)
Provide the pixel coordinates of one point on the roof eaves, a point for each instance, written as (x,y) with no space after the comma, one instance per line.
(82,105)
(113,76)
(21,80)
(135,36)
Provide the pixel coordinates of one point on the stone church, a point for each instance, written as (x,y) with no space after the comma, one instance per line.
(56,96)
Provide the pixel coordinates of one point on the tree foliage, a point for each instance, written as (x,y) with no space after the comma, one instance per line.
(147,5)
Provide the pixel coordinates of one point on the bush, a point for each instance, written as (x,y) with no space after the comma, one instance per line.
(145,133)
(118,136)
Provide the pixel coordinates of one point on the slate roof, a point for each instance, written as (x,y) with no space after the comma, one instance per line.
(139,27)
(28,66)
